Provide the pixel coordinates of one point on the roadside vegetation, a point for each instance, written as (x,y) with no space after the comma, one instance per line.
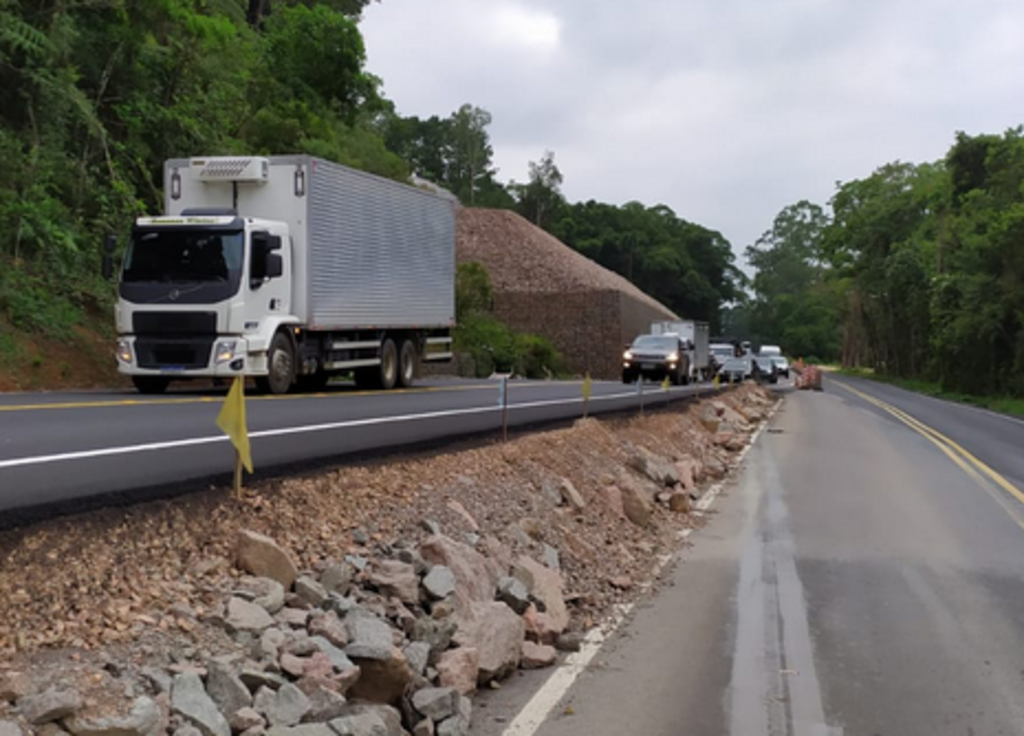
(95,95)
(490,344)
(915,273)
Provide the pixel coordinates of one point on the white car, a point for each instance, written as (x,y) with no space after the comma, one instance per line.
(781,365)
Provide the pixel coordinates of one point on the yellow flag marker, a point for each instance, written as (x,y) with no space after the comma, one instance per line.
(231,421)
(665,384)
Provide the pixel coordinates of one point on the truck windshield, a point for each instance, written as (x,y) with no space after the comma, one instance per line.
(191,256)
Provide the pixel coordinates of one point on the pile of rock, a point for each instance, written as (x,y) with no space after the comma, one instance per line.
(383,643)
(389,631)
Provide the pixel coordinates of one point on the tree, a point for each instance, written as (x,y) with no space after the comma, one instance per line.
(541,197)
(793,305)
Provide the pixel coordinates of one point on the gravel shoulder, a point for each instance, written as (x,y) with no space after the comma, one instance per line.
(92,602)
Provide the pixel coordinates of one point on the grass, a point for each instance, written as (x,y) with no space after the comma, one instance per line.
(1001,404)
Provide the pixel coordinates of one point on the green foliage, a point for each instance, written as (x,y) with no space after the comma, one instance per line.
(918,274)
(685,266)
(537,357)
(541,198)
(793,306)
(473,292)
(454,153)
(94,96)
(492,344)
(489,341)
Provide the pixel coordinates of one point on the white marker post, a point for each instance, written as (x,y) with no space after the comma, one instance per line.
(503,403)
(640,393)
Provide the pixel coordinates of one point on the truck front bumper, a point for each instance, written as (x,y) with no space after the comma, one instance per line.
(188,357)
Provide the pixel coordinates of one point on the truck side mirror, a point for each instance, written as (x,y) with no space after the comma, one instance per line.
(109,246)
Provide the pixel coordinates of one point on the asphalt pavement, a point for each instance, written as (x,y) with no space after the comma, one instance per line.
(68,447)
(861,575)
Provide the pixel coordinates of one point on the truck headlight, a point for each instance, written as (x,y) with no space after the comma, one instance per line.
(124,351)
(225,351)
(673,358)
(628,355)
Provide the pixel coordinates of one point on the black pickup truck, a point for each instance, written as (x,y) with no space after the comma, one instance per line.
(655,357)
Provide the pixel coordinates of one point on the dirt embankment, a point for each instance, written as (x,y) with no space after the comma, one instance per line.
(32,362)
(388,591)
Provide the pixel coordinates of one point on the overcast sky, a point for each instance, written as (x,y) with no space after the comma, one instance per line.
(724,110)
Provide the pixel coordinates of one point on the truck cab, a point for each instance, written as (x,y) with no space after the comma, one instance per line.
(201,294)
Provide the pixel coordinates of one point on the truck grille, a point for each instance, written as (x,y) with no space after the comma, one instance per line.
(165,353)
(174,323)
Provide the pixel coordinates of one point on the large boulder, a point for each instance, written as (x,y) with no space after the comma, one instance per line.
(439,582)
(397,579)
(496,632)
(436,703)
(655,467)
(49,706)
(262,556)
(474,578)
(547,588)
(369,637)
(225,687)
(635,504)
(459,668)
(190,701)
(382,680)
(143,719)
(537,655)
(285,707)
(245,616)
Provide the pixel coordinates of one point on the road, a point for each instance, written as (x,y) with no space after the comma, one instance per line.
(862,576)
(67,447)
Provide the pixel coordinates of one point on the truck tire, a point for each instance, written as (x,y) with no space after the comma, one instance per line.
(151,384)
(407,360)
(280,367)
(387,371)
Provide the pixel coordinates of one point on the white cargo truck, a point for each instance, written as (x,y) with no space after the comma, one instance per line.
(697,335)
(288,269)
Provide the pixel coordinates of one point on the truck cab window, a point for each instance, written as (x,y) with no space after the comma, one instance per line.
(183,256)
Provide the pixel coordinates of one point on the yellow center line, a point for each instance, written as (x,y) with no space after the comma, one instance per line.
(957,453)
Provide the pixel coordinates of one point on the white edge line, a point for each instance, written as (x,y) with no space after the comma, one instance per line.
(539,707)
(370,421)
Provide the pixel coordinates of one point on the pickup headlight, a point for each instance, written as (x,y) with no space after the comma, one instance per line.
(673,357)
(225,352)
(124,351)
(628,355)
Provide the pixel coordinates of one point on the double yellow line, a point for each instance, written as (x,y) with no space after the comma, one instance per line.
(971,465)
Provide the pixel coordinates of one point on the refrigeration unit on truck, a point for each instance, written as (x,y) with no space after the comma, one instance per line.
(695,334)
(287,269)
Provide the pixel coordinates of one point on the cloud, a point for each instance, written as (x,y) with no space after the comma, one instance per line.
(725,111)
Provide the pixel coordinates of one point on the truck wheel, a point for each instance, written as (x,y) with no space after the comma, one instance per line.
(280,367)
(151,384)
(407,364)
(387,375)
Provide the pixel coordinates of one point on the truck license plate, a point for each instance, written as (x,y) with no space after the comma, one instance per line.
(647,366)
